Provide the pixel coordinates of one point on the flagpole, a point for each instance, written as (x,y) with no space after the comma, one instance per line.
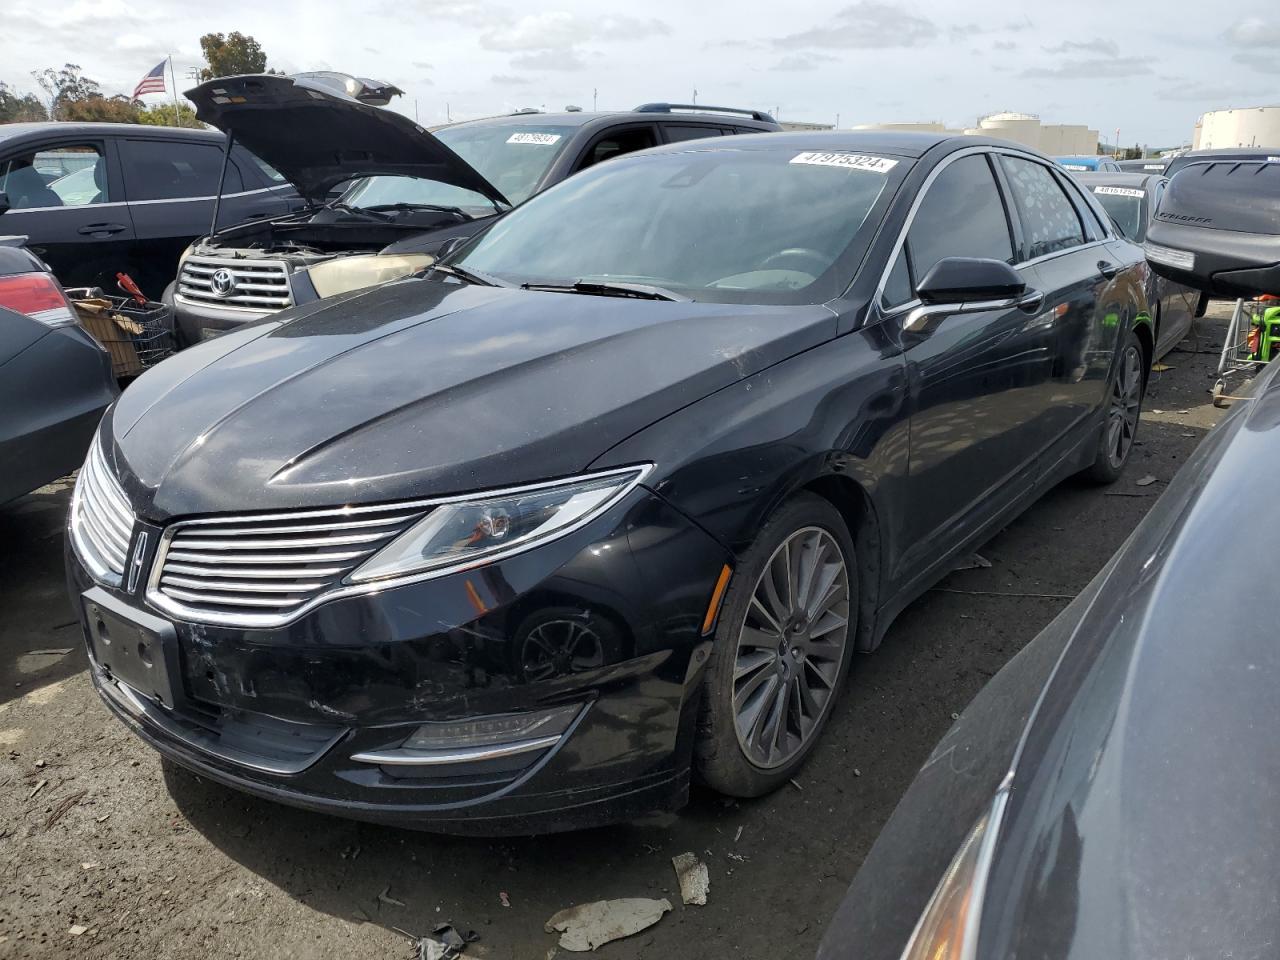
(177,116)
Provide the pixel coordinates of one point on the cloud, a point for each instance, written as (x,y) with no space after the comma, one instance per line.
(1258,61)
(1089,69)
(1183,90)
(1098,47)
(1005,45)
(422,65)
(508,80)
(561,30)
(803,61)
(550,60)
(1254,32)
(867,25)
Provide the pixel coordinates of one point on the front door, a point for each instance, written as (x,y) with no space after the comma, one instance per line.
(978,383)
(65,197)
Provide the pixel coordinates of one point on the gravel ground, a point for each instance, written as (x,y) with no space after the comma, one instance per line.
(105,852)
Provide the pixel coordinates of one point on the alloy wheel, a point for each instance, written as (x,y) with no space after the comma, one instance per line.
(1126,401)
(790,647)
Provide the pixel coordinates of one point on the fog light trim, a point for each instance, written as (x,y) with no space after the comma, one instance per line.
(426,758)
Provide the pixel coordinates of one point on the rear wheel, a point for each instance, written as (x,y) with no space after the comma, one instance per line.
(1124,409)
(781,650)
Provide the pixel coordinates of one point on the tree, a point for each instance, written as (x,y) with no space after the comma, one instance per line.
(15,108)
(161,115)
(117,109)
(65,86)
(230,55)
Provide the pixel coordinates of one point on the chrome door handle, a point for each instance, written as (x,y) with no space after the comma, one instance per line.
(1107,269)
(93,229)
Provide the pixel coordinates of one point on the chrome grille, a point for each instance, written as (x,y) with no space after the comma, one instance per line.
(261,285)
(101,519)
(261,571)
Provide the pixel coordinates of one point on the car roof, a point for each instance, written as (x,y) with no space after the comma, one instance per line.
(10,131)
(580,118)
(908,145)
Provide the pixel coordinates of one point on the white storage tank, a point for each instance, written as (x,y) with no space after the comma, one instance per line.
(1244,127)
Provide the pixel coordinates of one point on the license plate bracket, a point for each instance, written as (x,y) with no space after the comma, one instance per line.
(131,646)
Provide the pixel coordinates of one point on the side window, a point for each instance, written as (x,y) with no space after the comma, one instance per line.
(168,170)
(962,215)
(677,132)
(616,143)
(1093,226)
(1049,220)
(64,176)
(898,289)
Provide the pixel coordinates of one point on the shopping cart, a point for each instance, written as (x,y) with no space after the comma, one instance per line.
(1253,339)
(136,334)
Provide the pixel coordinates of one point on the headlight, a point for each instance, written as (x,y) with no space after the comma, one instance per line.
(466,531)
(352,273)
(948,928)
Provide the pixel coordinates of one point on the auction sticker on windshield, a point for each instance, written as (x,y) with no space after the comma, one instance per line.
(1119,192)
(852,161)
(539,138)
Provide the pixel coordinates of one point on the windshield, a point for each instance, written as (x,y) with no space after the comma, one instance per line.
(718,224)
(1125,206)
(511,156)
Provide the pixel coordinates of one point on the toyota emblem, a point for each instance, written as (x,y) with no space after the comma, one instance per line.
(223,282)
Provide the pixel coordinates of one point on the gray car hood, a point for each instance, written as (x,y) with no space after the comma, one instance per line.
(317,136)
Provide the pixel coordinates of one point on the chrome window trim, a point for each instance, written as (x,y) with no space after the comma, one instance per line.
(896,250)
(135,203)
(343,589)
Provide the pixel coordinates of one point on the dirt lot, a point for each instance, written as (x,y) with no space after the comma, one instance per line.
(105,853)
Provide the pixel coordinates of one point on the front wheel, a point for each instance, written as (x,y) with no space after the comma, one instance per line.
(782,649)
(1123,410)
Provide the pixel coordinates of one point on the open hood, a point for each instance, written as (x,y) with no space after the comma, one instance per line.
(319,129)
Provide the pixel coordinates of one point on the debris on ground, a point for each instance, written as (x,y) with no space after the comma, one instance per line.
(588,925)
(796,783)
(504,899)
(385,897)
(738,836)
(39,786)
(78,929)
(445,942)
(974,561)
(63,806)
(1146,481)
(1161,367)
(694,879)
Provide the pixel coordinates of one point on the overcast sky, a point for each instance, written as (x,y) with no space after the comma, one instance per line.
(1148,69)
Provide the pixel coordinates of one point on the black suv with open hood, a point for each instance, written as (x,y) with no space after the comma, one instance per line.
(410,190)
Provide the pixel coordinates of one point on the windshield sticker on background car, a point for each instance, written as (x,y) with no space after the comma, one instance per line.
(543,139)
(1079,167)
(1119,192)
(1153,166)
(855,161)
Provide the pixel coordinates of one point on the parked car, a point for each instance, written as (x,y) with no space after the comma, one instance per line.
(1217,227)
(55,379)
(1131,199)
(1111,792)
(1260,154)
(1085,164)
(95,199)
(615,490)
(412,191)
(1149,165)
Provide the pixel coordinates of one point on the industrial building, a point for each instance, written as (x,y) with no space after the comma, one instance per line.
(1058,139)
(1243,127)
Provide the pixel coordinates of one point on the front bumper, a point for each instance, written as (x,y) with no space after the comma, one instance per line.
(196,322)
(282,713)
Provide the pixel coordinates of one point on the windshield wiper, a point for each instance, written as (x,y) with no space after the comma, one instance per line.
(603,288)
(456,211)
(468,276)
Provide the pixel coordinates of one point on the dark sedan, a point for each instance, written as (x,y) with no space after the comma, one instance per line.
(55,379)
(615,491)
(1112,791)
(1131,200)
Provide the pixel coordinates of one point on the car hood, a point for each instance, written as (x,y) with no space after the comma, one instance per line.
(421,388)
(317,135)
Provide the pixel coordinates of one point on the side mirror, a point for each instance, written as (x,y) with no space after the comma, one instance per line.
(1217,229)
(964,279)
(4,202)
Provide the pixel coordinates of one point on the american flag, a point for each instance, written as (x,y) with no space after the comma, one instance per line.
(153,82)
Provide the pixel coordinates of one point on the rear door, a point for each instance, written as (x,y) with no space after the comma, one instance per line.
(978,383)
(1066,246)
(170,186)
(66,196)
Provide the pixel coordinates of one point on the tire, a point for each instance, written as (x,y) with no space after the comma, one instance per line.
(741,750)
(1124,410)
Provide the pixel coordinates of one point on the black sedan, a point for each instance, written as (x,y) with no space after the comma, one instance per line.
(55,379)
(1131,200)
(615,492)
(1112,791)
